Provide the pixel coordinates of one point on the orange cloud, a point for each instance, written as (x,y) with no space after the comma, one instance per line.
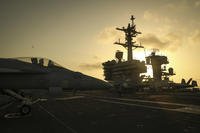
(90,66)
(152,40)
(170,41)
(109,35)
(196,37)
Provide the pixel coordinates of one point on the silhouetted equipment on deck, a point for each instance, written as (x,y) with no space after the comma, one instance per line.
(130,70)
(156,61)
(116,71)
(119,56)
(194,83)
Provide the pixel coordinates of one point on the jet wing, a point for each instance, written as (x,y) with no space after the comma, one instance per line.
(13,66)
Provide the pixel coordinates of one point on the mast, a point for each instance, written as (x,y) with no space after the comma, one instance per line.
(130,32)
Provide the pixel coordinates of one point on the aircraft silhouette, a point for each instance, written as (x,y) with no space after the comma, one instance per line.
(32,73)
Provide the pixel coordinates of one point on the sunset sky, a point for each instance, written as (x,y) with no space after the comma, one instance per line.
(79,34)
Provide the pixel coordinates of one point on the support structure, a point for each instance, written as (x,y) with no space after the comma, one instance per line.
(120,72)
(130,32)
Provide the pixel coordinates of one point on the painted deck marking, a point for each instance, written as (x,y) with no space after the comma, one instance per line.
(58,120)
(186,109)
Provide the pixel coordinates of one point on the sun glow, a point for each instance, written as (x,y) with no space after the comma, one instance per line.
(140,55)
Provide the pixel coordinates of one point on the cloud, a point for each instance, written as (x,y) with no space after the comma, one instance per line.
(174,40)
(95,57)
(152,40)
(109,35)
(90,66)
(179,6)
(182,5)
(197,3)
(156,17)
(158,22)
(170,41)
(149,15)
(195,37)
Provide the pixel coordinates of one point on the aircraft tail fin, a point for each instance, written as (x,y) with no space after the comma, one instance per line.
(183,82)
(189,81)
(194,83)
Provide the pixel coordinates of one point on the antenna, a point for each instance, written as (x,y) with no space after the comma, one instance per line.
(130,33)
(132,19)
(154,50)
(143,48)
(145,54)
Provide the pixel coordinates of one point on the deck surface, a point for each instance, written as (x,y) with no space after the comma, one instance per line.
(90,113)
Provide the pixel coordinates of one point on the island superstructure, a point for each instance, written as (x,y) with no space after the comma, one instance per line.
(130,73)
(117,71)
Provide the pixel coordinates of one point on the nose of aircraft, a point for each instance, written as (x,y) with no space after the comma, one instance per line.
(84,82)
(90,83)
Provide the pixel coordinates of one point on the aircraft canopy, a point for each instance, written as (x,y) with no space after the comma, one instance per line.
(38,61)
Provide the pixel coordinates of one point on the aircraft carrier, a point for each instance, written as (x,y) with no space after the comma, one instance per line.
(145,104)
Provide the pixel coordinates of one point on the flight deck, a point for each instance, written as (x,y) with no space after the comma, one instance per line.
(103,112)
